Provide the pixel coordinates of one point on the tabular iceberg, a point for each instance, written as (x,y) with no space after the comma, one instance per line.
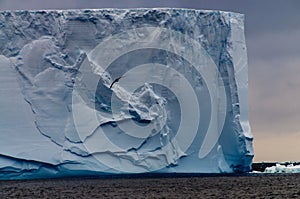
(112,91)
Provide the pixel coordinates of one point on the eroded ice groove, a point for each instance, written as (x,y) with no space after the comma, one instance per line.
(123,91)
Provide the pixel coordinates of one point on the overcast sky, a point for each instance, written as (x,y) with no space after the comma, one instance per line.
(273,41)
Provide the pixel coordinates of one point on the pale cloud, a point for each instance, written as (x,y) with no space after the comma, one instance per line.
(274,96)
(274,83)
(281,148)
(273,46)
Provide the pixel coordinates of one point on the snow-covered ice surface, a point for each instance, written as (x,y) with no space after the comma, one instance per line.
(95,92)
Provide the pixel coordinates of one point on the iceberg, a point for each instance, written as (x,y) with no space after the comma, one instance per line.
(279,168)
(123,91)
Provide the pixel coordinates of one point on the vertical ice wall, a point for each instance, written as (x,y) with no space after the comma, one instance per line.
(123,91)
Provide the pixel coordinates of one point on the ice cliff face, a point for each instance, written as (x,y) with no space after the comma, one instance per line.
(94,92)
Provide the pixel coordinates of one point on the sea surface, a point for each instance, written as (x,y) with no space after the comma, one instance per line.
(250,185)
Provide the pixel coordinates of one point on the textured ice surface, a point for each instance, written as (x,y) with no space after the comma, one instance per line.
(283,169)
(123,91)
